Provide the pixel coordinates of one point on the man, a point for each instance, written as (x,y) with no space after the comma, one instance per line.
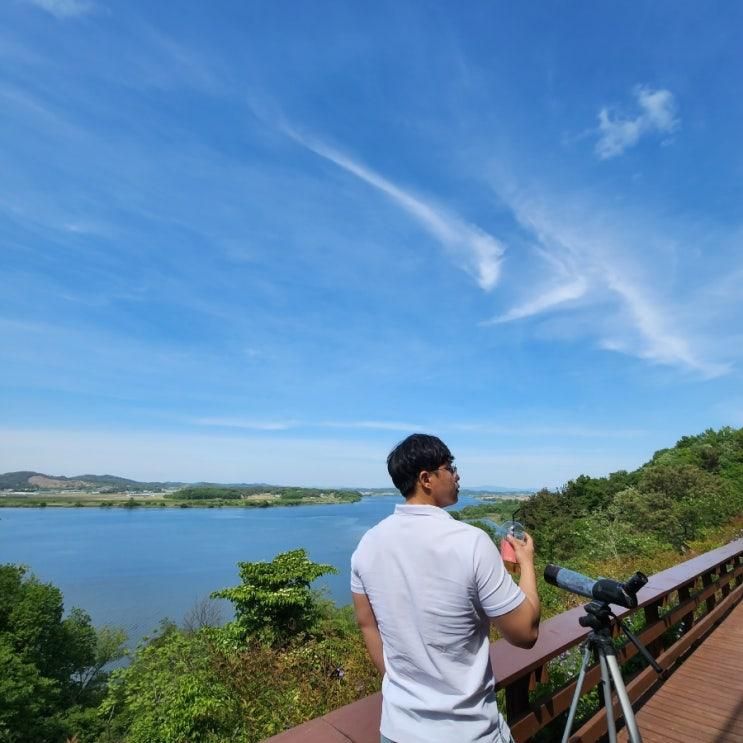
(425,589)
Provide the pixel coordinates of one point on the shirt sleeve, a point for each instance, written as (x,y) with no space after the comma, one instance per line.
(496,590)
(357,585)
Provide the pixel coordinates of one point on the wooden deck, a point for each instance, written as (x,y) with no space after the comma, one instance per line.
(702,702)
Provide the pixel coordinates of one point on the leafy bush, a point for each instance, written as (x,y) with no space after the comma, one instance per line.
(171,693)
(52,666)
(670,500)
(274,602)
(290,655)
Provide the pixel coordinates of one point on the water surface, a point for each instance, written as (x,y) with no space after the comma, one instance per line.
(133,567)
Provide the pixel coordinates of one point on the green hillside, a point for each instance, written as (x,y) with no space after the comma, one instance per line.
(16,480)
(669,501)
(22,481)
(264,493)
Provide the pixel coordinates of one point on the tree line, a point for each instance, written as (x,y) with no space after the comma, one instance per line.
(668,502)
(284,495)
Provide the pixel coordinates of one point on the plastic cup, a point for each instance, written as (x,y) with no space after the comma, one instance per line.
(507,553)
(514,528)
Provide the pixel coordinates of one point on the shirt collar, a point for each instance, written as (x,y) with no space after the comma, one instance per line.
(421,510)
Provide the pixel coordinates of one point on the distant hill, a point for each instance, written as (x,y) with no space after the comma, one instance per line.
(34,481)
(106,479)
(499,489)
(38,481)
(16,480)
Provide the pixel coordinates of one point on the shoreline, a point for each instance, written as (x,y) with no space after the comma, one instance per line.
(135,503)
(129,502)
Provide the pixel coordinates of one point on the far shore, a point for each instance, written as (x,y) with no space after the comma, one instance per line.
(87,499)
(72,499)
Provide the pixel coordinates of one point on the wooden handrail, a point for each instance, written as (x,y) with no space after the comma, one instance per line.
(696,583)
(562,632)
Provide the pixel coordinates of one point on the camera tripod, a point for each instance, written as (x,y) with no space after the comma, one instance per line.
(599,618)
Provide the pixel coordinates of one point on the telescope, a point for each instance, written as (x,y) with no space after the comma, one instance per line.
(599,643)
(604,589)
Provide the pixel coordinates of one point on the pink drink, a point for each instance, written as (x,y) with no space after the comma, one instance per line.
(506,551)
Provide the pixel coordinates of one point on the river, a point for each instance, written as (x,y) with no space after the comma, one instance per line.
(134,567)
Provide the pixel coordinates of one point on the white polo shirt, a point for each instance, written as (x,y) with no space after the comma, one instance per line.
(433,582)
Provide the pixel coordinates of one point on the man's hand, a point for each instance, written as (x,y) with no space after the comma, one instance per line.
(524,548)
(521,626)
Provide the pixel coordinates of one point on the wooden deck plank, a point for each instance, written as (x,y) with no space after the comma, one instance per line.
(681,730)
(691,718)
(703,700)
(682,696)
(658,730)
(691,699)
(650,736)
(695,728)
(700,676)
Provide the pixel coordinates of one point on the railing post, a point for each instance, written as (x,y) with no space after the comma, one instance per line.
(684,593)
(712,600)
(652,615)
(723,569)
(517,698)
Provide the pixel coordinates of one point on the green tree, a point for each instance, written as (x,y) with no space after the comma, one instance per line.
(549,518)
(274,602)
(51,666)
(183,687)
(171,693)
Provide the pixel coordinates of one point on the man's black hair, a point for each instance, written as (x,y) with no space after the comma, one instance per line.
(416,453)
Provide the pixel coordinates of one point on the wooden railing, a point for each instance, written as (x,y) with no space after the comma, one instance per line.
(673,597)
(693,596)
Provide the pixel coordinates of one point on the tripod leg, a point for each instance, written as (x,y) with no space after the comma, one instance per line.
(576,694)
(611,727)
(629,716)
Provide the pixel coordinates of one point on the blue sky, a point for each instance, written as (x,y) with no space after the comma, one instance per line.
(249,241)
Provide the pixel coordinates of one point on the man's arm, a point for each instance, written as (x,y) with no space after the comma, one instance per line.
(520,627)
(369,629)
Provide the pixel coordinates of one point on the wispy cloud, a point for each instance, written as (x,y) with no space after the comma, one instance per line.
(64,8)
(592,259)
(489,428)
(246,424)
(376,425)
(164,62)
(549,299)
(658,113)
(285,425)
(560,431)
(661,342)
(477,252)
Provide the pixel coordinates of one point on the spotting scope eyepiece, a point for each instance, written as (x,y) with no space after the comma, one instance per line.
(604,589)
